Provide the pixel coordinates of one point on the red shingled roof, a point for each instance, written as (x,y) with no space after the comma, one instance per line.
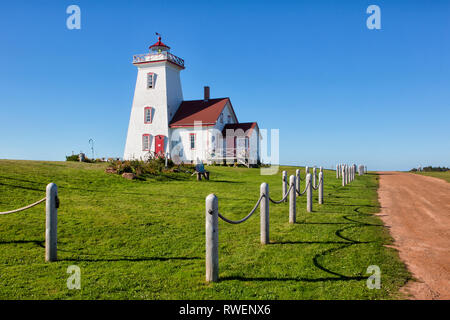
(199,110)
(244,126)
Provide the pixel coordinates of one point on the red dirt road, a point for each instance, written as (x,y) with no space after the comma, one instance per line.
(417,210)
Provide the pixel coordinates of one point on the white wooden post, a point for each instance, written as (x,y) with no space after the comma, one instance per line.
(337,171)
(51,222)
(314,177)
(264,213)
(309,193)
(297,179)
(320,187)
(284,181)
(343,176)
(306,170)
(347,170)
(212,238)
(292,200)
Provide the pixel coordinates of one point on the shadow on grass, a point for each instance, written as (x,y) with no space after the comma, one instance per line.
(36,242)
(300,279)
(21,187)
(132,259)
(346,243)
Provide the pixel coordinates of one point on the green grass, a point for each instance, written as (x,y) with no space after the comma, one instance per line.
(146,239)
(445,175)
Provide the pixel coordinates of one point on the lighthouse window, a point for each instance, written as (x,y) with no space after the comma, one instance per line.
(147,115)
(150,80)
(145,142)
(192,139)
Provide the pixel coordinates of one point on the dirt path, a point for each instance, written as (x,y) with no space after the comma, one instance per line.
(417,209)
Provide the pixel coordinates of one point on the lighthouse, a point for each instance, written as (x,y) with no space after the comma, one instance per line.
(162,123)
(157,96)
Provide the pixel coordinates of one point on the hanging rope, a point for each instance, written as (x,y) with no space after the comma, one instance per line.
(246,217)
(317,187)
(284,197)
(302,193)
(24,208)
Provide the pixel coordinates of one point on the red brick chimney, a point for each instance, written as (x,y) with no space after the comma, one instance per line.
(206,93)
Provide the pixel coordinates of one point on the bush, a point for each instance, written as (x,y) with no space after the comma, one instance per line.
(142,168)
(432,169)
(73,157)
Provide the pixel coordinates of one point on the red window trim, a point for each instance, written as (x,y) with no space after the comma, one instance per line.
(195,140)
(145,115)
(153,80)
(148,144)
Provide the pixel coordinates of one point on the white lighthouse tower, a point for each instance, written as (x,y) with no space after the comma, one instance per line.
(157,97)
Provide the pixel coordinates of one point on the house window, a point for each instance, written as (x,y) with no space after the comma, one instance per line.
(192,140)
(246,143)
(145,142)
(148,115)
(150,80)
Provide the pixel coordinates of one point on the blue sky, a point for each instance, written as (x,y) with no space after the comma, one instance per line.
(337,91)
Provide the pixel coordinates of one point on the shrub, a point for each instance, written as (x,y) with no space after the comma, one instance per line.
(73,157)
(141,168)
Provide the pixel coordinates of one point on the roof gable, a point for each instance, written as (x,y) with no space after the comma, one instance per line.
(246,127)
(199,110)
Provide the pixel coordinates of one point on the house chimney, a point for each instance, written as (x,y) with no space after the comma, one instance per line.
(206,95)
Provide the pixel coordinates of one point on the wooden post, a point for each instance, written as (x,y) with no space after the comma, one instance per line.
(212,238)
(337,171)
(347,174)
(284,181)
(51,222)
(297,179)
(320,187)
(309,203)
(314,176)
(343,176)
(292,200)
(264,213)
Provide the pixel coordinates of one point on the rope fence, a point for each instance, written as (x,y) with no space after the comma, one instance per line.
(212,213)
(51,212)
(23,208)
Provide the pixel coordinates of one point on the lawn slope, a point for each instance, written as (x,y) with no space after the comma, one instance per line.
(146,239)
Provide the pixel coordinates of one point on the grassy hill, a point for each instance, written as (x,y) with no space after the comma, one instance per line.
(146,239)
(445,175)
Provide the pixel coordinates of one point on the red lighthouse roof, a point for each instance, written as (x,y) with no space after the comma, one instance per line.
(159,45)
